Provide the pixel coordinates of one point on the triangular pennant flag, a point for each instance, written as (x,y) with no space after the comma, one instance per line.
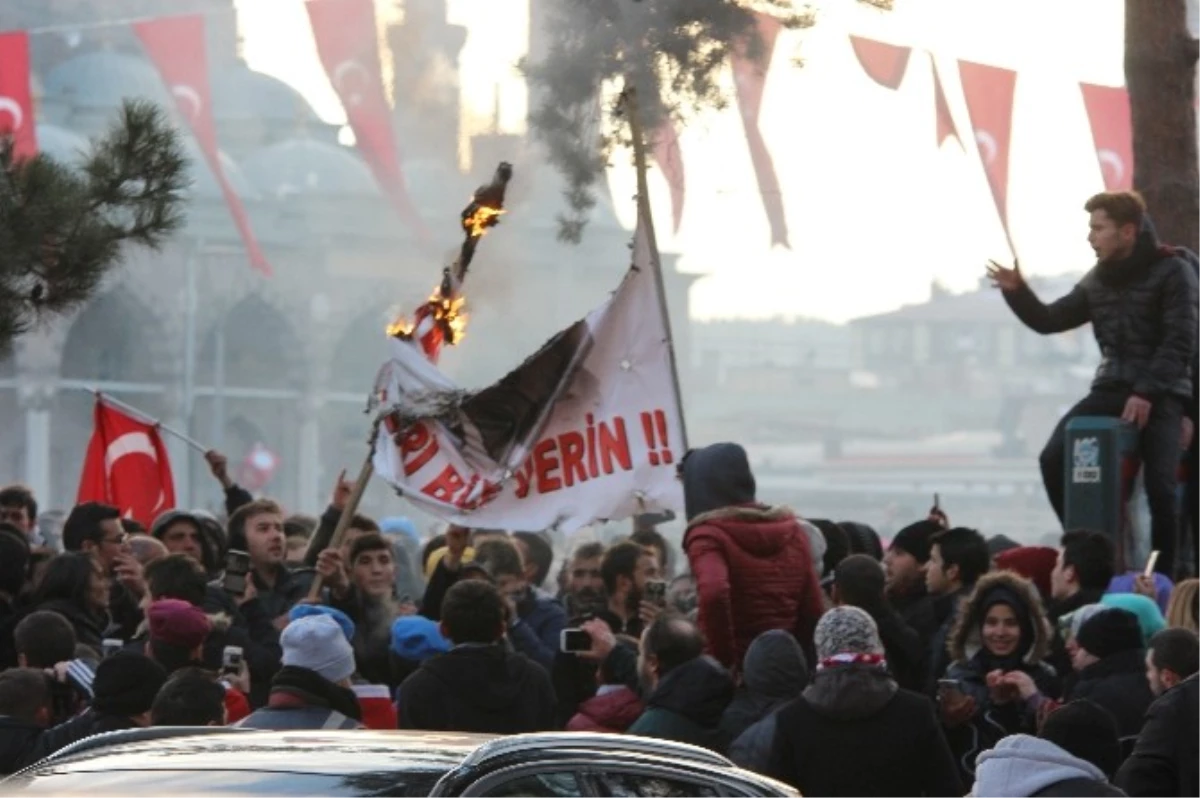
(884,63)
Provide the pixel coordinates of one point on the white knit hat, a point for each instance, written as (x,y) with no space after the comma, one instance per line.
(318,644)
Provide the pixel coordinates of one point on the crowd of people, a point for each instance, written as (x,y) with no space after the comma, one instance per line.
(941,663)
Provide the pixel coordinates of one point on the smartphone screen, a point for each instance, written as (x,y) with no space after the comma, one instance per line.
(575,640)
(237,565)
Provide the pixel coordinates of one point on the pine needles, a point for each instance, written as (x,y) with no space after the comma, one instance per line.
(63,228)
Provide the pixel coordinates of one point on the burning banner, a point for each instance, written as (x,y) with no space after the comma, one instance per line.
(586,429)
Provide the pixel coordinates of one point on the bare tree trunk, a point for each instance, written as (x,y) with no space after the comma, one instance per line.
(1160,62)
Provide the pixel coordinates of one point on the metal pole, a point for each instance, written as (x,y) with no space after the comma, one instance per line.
(189,350)
(218,434)
(629,99)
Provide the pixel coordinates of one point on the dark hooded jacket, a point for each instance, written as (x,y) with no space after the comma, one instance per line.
(17,741)
(855,732)
(1166,757)
(478,689)
(753,564)
(972,663)
(1143,312)
(687,704)
(773,674)
(1117,682)
(1021,765)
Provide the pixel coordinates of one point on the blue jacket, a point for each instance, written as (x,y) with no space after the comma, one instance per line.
(540,621)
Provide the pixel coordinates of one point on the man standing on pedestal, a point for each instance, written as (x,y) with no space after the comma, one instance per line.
(1141,300)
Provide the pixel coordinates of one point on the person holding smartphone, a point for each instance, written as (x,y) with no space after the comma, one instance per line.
(997,680)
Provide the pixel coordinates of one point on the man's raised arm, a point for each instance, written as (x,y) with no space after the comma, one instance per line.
(1065,313)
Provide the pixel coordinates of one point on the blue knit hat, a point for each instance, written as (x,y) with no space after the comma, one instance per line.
(417,638)
(309,610)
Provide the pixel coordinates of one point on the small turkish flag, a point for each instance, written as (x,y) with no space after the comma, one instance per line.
(16,98)
(258,467)
(127,466)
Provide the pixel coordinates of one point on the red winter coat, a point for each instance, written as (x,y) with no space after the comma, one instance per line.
(612,712)
(754,572)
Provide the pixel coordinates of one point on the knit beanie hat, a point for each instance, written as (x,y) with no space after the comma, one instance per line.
(1086,730)
(846,630)
(415,637)
(177,623)
(1110,632)
(126,684)
(915,539)
(318,644)
(312,610)
(1150,617)
(1035,563)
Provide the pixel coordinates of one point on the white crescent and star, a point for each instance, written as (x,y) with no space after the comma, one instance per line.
(128,444)
(14,110)
(1111,158)
(186,94)
(340,72)
(988,146)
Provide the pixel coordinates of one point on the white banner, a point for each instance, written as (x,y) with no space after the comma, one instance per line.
(587,429)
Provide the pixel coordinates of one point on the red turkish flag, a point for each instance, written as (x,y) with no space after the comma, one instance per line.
(16,100)
(750,77)
(127,466)
(669,157)
(176,46)
(347,43)
(989,93)
(884,63)
(1112,133)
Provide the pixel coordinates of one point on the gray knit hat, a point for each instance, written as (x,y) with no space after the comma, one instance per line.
(846,630)
(316,642)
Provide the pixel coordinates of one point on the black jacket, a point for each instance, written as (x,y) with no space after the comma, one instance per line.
(253,629)
(853,732)
(89,627)
(1143,312)
(1166,757)
(85,725)
(478,689)
(916,609)
(906,657)
(17,741)
(1079,788)
(1117,683)
(687,704)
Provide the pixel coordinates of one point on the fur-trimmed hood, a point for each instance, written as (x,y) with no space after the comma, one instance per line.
(964,641)
(747,514)
(754,528)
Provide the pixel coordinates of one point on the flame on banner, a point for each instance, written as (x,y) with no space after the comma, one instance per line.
(448,313)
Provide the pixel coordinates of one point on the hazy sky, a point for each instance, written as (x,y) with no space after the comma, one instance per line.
(875,211)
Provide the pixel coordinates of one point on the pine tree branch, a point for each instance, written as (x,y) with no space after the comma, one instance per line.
(63,229)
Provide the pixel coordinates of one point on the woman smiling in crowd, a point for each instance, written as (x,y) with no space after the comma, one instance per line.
(997,678)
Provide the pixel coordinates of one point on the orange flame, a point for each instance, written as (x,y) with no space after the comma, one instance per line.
(400,328)
(477,223)
(452,313)
(448,312)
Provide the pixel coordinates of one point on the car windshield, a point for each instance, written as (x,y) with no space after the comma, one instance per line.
(102,784)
